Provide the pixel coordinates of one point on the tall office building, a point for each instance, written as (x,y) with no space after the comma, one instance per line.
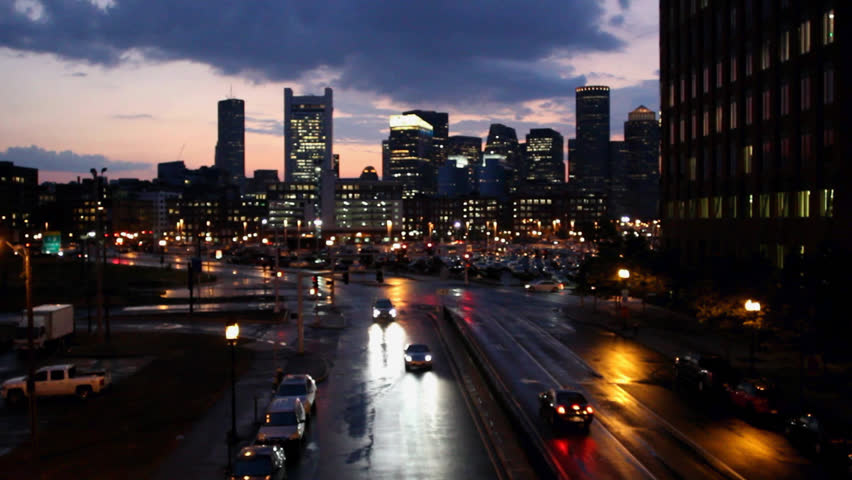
(386,173)
(231,143)
(642,135)
(307,136)
(409,149)
(440,122)
(754,138)
(590,163)
(502,141)
(468,147)
(545,159)
(619,194)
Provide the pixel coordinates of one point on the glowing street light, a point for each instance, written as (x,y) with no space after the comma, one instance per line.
(232,334)
(751,306)
(624,274)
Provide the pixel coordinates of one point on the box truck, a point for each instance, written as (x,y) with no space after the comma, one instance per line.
(52,324)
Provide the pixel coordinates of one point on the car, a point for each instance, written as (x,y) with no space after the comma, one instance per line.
(544,286)
(283,424)
(755,396)
(417,355)
(565,407)
(707,373)
(383,310)
(301,386)
(260,462)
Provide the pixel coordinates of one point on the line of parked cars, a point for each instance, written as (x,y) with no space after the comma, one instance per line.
(281,432)
(759,401)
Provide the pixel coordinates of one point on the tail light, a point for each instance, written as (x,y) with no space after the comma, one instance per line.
(575,406)
(560,410)
(102,382)
(589,409)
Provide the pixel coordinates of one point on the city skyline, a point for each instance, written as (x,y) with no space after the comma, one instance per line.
(129,103)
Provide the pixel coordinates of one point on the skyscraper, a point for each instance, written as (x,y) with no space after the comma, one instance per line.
(590,163)
(642,135)
(440,122)
(307,136)
(410,146)
(230,146)
(503,142)
(755,143)
(545,159)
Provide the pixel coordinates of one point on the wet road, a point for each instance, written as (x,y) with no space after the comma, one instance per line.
(378,421)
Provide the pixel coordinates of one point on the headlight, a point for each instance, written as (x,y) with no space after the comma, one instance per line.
(393,312)
(408,358)
(375,312)
(428,358)
(526,286)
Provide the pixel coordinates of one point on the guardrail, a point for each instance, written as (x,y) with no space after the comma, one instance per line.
(535,449)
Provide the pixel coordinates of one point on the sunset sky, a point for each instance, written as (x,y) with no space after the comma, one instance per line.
(125,84)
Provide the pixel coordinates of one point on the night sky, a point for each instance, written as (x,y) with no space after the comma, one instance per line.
(126,84)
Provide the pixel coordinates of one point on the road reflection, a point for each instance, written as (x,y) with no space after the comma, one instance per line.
(385,346)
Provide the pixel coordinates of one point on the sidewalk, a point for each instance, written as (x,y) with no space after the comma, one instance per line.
(202,451)
(672,334)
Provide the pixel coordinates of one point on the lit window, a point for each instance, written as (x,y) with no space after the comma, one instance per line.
(805,37)
(803,204)
(826,203)
(828,27)
(784,46)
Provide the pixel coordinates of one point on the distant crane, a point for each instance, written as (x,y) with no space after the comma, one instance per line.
(181,151)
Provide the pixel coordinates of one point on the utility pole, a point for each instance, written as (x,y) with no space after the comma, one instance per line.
(275,278)
(300,325)
(99,294)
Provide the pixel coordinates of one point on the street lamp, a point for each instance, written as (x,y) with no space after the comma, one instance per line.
(299,236)
(25,251)
(232,334)
(389,224)
(623,275)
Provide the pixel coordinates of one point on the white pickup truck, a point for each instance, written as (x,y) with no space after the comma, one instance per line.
(56,380)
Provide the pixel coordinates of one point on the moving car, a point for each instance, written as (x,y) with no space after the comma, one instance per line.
(417,355)
(544,286)
(301,386)
(564,407)
(283,424)
(265,462)
(383,310)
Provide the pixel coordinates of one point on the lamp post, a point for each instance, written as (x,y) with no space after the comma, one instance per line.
(99,262)
(232,334)
(25,251)
(299,236)
(623,275)
(751,306)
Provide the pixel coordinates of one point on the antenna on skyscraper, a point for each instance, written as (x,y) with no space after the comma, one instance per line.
(181,151)
(231,92)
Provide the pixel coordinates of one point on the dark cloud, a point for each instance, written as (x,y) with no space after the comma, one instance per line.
(133,116)
(446,51)
(617,21)
(66,161)
(624,4)
(79,74)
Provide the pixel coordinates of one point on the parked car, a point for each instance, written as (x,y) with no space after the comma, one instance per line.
(301,386)
(383,310)
(755,396)
(56,380)
(417,355)
(265,462)
(283,424)
(564,407)
(707,373)
(544,285)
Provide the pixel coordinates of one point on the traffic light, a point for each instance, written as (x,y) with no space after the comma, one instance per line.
(429,248)
(467,260)
(315,283)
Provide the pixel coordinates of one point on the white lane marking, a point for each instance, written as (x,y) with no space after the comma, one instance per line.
(620,445)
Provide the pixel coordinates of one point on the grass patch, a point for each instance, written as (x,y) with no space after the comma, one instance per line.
(127,432)
(61,280)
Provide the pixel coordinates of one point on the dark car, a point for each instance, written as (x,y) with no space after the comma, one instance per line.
(383,310)
(564,407)
(260,462)
(417,355)
(707,373)
(755,396)
(829,443)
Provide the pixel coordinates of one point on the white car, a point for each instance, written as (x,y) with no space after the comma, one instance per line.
(300,386)
(283,424)
(544,286)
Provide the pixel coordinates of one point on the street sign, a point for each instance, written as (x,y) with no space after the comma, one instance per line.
(443,291)
(51,243)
